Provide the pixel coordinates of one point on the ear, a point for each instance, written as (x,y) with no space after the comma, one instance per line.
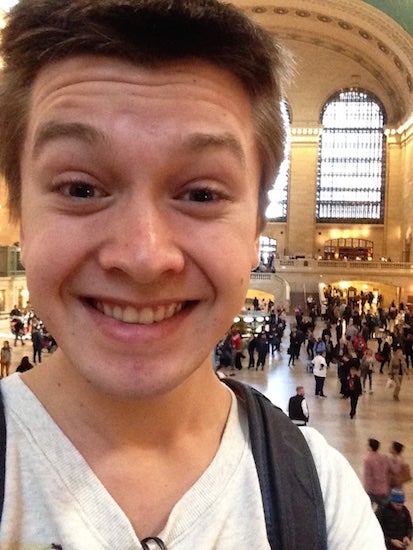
(22,242)
(255,262)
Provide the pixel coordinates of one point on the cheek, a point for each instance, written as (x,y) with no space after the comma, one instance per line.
(232,265)
(40,264)
(48,256)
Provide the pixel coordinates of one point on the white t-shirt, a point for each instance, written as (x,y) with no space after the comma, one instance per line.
(319,366)
(52,497)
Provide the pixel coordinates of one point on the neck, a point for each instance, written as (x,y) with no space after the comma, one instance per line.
(200,404)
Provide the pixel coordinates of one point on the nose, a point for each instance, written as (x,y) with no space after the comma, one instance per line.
(143,242)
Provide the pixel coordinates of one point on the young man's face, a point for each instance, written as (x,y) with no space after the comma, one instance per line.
(139,216)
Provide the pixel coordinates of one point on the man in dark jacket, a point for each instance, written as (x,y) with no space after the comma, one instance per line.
(262,348)
(297,408)
(353,390)
(18,331)
(295,345)
(396,521)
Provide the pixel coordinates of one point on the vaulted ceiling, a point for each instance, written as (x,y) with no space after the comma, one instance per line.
(339,44)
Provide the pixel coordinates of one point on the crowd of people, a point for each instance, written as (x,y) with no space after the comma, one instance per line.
(344,341)
(352,352)
(25,326)
(230,351)
(347,344)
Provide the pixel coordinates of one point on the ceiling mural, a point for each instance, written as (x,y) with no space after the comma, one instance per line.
(400,10)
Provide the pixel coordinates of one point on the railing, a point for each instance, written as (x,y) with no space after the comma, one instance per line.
(10,264)
(308,264)
(380,266)
(286,262)
(258,276)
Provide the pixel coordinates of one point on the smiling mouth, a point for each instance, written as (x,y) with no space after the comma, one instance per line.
(143,316)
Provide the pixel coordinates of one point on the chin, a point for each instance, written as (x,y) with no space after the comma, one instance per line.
(143,387)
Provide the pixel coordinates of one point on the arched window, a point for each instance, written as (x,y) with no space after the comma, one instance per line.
(277,208)
(351,159)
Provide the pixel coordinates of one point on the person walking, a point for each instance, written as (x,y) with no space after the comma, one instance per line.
(295,345)
(386,354)
(320,373)
(329,349)
(18,330)
(343,371)
(252,345)
(353,390)
(310,344)
(377,470)
(339,331)
(397,369)
(367,369)
(408,348)
(400,469)
(5,359)
(262,348)
(37,341)
(236,344)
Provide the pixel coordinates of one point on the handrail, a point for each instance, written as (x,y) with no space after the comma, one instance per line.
(282,264)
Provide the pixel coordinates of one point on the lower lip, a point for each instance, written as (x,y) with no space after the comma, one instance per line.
(133,332)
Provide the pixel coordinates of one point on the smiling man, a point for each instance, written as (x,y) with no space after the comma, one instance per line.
(139,141)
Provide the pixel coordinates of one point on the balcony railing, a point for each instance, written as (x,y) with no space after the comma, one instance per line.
(10,264)
(310,264)
(381,266)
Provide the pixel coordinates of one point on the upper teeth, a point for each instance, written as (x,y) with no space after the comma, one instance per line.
(144,316)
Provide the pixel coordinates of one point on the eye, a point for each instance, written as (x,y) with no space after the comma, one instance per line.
(205,194)
(81,190)
(202,195)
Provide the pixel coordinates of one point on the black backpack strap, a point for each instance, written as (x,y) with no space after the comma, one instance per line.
(291,493)
(2,453)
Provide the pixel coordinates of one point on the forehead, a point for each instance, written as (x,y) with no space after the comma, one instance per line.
(66,86)
(78,68)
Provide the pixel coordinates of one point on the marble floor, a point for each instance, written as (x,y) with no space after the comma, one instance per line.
(378,415)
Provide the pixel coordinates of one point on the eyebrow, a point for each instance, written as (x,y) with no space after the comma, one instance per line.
(199,141)
(195,142)
(56,130)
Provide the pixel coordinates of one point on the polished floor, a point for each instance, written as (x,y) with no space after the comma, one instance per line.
(378,415)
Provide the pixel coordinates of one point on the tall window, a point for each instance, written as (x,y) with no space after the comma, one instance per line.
(277,208)
(351,159)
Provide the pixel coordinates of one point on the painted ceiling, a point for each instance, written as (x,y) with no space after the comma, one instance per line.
(400,10)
